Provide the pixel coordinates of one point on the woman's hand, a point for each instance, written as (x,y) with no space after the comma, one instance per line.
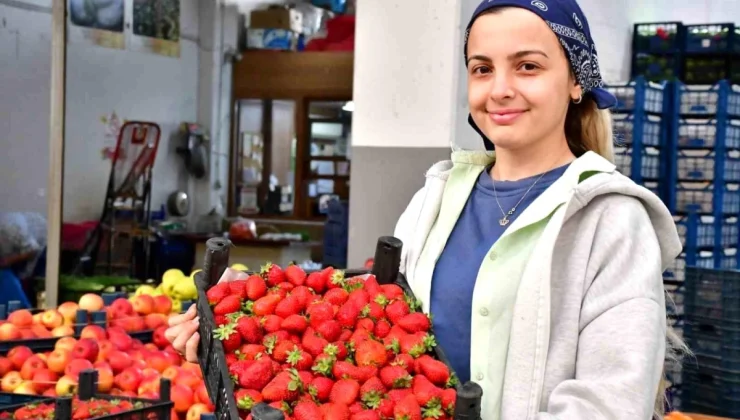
(183,328)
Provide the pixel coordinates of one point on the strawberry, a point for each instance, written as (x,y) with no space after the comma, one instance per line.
(436,371)
(313,343)
(355,408)
(345,391)
(272,274)
(406,361)
(251,351)
(307,410)
(247,398)
(372,287)
(317,281)
(407,409)
(372,385)
(303,294)
(281,350)
(449,396)
(336,278)
(271,323)
(291,305)
(239,288)
(237,368)
(343,370)
(335,411)
(255,287)
(358,336)
(371,353)
(395,377)
(365,324)
(382,328)
(396,310)
(217,292)
(415,322)
(231,358)
(220,320)
(373,310)
(250,330)
(363,373)
(366,415)
(321,388)
(337,349)
(336,296)
(319,313)
(359,297)
(295,324)
(266,305)
(323,364)
(295,274)
(286,386)
(330,330)
(425,391)
(299,359)
(228,305)
(385,407)
(348,314)
(230,338)
(257,376)
(416,344)
(392,291)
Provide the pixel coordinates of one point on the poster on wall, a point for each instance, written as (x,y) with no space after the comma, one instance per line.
(156,27)
(97,22)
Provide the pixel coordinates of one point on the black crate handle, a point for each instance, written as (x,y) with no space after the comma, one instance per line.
(468,402)
(63,408)
(387,262)
(263,411)
(87,387)
(215,261)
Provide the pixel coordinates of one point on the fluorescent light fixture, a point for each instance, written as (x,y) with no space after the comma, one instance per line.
(349,106)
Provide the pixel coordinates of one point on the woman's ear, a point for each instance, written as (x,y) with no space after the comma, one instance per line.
(576,93)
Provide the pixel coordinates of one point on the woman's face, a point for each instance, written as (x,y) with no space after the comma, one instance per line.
(519,80)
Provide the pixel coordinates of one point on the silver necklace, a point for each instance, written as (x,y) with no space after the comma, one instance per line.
(505,220)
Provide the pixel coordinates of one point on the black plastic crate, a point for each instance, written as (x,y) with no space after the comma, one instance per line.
(151,409)
(8,399)
(656,67)
(700,70)
(658,37)
(713,37)
(710,390)
(211,353)
(713,295)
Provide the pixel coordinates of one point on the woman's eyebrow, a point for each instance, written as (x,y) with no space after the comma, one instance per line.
(518,54)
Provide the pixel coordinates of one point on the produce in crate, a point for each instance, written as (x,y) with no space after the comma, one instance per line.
(81,410)
(316,345)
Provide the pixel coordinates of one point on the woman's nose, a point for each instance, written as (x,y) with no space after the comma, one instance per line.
(502,88)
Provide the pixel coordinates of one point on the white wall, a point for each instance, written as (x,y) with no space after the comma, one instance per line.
(25,57)
(689,12)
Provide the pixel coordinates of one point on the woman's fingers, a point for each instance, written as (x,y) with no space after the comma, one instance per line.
(188,329)
(191,348)
(230,275)
(184,317)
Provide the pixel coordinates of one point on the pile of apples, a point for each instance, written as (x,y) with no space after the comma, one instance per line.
(138,313)
(125,367)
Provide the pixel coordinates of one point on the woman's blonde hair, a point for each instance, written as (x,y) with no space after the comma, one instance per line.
(588,128)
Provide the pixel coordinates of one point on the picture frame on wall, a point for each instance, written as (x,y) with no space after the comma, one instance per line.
(97,22)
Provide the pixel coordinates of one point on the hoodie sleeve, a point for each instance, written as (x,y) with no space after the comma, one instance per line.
(622,327)
(406,224)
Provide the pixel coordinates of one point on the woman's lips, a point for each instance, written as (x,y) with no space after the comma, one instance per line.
(506,116)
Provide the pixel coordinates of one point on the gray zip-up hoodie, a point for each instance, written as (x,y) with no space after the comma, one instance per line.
(587,336)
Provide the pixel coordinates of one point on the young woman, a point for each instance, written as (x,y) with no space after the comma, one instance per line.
(541,263)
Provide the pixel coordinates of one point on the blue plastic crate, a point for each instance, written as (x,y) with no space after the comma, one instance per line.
(649,166)
(699,197)
(714,37)
(639,95)
(711,341)
(674,300)
(705,230)
(658,37)
(695,165)
(730,233)
(704,133)
(650,129)
(720,99)
(676,272)
(729,261)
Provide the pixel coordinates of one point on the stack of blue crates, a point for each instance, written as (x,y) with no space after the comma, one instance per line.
(711,379)
(336,233)
(640,130)
(704,175)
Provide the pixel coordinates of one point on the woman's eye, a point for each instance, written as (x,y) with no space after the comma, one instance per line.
(481,70)
(529,66)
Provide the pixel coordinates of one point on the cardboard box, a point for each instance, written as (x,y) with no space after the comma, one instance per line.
(278,18)
(272,39)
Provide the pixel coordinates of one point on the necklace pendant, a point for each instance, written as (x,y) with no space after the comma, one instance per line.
(503,221)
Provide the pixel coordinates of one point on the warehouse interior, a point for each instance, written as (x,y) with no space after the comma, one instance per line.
(299,130)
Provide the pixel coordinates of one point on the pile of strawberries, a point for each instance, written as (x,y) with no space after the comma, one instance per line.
(322,346)
(81,410)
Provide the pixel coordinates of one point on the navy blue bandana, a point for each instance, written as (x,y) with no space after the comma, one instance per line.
(567,21)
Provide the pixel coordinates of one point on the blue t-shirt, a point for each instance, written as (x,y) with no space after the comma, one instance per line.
(475,232)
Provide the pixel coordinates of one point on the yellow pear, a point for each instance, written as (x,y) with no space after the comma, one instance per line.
(239,267)
(145,290)
(171,275)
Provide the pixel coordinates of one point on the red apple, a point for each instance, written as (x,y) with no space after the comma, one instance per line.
(66,343)
(44,379)
(94,332)
(159,339)
(31,365)
(40,331)
(10,381)
(143,304)
(122,308)
(66,385)
(76,366)
(63,331)
(121,341)
(58,360)
(91,302)
(21,318)
(159,362)
(86,348)
(154,321)
(201,394)
(105,379)
(69,312)
(26,387)
(129,379)
(5,366)
(173,358)
(182,396)
(19,355)
(52,319)
(118,360)
(195,411)
(162,304)
(9,332)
